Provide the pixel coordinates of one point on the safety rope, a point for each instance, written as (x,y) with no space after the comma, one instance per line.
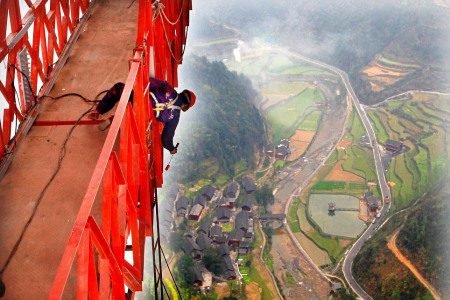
(62,154)
(171,274)
(158,9)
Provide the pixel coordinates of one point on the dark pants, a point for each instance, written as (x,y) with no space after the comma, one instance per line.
(112,97)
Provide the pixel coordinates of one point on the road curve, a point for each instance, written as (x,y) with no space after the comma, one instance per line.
(385,191)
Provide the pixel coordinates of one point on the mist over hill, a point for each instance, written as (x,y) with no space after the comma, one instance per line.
(223,129)
(347,34)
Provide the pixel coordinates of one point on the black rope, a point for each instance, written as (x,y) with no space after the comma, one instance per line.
(171,275)
(62,154)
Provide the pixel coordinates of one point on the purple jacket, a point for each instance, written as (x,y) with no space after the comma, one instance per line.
(164,92)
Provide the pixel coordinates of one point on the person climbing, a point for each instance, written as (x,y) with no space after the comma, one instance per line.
(166,103)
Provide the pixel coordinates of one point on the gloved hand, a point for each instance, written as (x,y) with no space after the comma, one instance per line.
(174,151)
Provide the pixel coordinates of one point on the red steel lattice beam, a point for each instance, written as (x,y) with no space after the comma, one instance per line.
(129,178)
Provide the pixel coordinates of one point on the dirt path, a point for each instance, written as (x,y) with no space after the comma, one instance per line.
(407,263)
(263,271)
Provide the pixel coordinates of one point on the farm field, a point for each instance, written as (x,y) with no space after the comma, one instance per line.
(382,72)
(419,123)
(343,223)
(347,174)
(299,143)
(285,118)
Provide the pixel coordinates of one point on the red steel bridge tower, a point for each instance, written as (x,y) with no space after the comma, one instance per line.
(80,251)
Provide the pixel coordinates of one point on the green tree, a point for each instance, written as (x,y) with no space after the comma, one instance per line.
(184,270)
(264,195)
(213,261)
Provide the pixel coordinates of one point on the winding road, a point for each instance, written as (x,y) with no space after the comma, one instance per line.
(385,191)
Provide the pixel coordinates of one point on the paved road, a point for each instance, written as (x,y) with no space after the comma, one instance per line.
(351,254)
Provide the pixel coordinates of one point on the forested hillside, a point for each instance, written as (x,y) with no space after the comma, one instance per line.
(425,239)
(224,130)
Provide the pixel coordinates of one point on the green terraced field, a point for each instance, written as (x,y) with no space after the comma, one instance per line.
(287,89)
(380,130)
(356,129)
(304,70)
(389,62)
(420,125)
(360,162)
(311,121)
(284,118)
(279,62)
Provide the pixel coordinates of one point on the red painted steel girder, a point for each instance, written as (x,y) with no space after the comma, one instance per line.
(130,178)
(50,27)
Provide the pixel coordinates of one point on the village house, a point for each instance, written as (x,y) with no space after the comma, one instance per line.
(224,250)
(208,192)
(215,231)
(248,184)
(241,221)
(231,190)
(235,237)
(190,248)
(230,273)
(181,206)
(203,241)
(223,215)
(393,146)
(200,199)
(284,142)
(219,240)
(281,152)
(244,247)
(269,150)
(248,203)
(189,234)
(195,212)
(227,202)
(373,203)
(198,277)
(204,227)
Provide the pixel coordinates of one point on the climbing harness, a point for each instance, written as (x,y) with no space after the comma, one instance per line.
(160,106)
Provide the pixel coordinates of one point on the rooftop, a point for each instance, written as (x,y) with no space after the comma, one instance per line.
(203,241)
(236,235)
(200,199)
(372,202)
(215,231)
(223,213)
(231,190)
(208,191)
(394,144)
(248,184)
(196,210)
(188,245)
(242,220)
(182,202)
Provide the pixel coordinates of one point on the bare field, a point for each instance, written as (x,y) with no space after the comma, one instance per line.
(286,258)
(222,290)
(363,211)
(300,142)
(375,87)
(380,76)
(344,143)
(253,291)
(377,70)
(338,174)
(319,256)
